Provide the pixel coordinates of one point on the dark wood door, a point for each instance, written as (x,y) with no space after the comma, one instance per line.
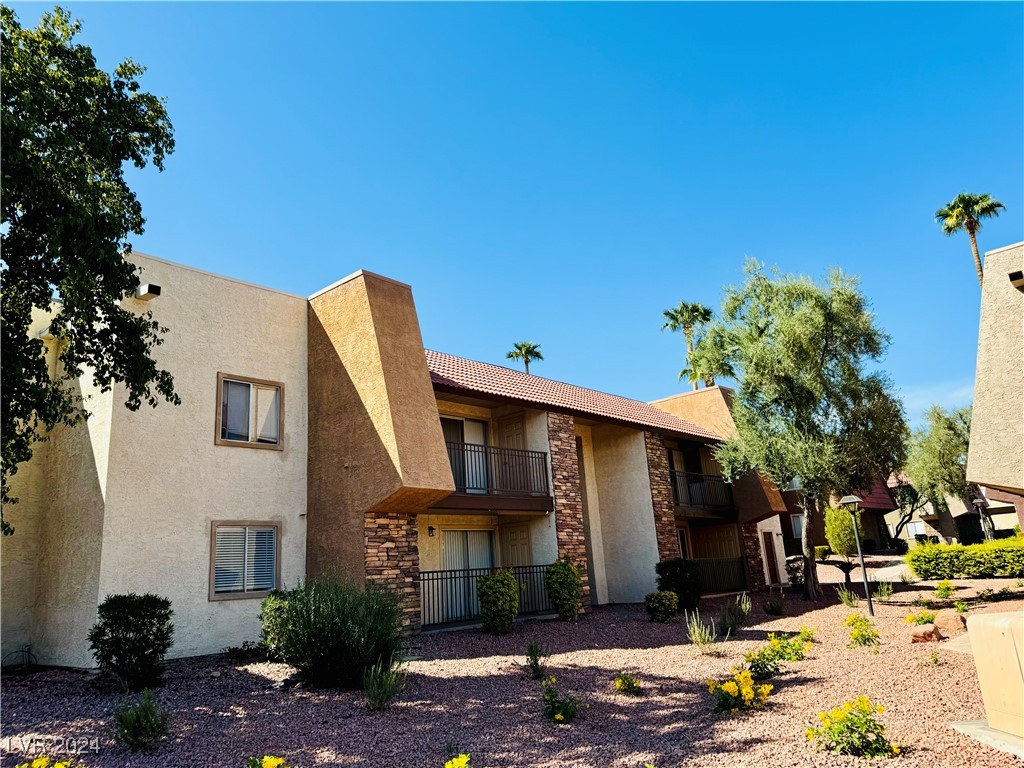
(769,553)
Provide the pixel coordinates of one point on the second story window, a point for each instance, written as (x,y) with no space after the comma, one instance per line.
(250,412)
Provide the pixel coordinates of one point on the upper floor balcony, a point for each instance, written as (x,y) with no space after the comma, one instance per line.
(486,469)
(692,489)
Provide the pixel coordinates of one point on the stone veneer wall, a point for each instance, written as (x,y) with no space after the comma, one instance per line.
(393,559)
(751,543)
(661,496)
(565,475)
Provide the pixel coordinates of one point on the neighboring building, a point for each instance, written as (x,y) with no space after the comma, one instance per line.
(996,456)
(318,435)
(876,502)
(951,521)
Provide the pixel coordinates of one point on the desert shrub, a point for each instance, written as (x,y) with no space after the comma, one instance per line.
(333,632)
(536,659)
(763,664)
(907,578)
(267,761)
(883,591)
(944,589)
(921,602)
(806,635)
(795,570)
(563,582)
(381,683)
(738,692)
(962,606)
(701,635)
(131,637)
(788,648)
(44,761)
(499,601)
(272,618)
(628,684)
(933,661)
(862,633)
(847,597)
(822,553)
(560,709)
(992,559)
(678,575)
(899,546)
(921,617)
(774,605)
(853,729)
(662,606)
(734,613)
(141,726)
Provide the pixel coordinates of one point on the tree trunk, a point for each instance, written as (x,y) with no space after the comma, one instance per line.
(977,258)
(526,362)
(811,590)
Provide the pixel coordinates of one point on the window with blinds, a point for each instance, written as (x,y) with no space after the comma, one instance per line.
(244,559)
(250,412)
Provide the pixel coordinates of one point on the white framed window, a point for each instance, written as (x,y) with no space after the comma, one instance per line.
(250,412)
(243,559)
(797,521)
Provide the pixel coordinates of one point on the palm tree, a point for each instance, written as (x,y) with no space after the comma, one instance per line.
(525,351)
(965,212)
(689,318)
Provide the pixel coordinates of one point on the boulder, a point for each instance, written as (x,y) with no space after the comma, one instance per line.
(925,633)
(950,623)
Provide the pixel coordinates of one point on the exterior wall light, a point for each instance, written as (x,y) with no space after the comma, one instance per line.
(147,291)
(1017,280)
(431,530)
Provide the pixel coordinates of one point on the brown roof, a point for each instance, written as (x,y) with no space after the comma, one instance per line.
(459,375)
(878,497)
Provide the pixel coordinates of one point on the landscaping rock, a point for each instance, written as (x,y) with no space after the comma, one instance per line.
(950,623)
(925,633)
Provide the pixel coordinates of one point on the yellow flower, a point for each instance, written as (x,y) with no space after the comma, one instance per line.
(810,734)
(731,688)
(460,761)
(559,717)
(269,761)
(895,749)
(41,762)
(880,709)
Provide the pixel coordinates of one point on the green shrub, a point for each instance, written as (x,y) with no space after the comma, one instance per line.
(921,617)
(679,576)
(763,664)
(806,635)
(563,583)
(272,618)
(499,601)
(944,589)
(840,532)
(795,570)
(863,633)
(962,606)
(662,606)
(899,546)
(140,726)
(628,684)
(536,659)
(739,692)
(853,729)
(131,637)
(822,553)
(993,559)
(560,709)
(883,591)
(381,683)
(774,605)
(907,578)
(701,635)
(846,597)
(333,631)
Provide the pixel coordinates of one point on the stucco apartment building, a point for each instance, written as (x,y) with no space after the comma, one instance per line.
(317,434)
(996,456)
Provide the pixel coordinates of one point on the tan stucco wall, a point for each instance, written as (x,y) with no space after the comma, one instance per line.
(375,440)
(773,525)
(626,512)
(996,456)
(592,517)
(543,534)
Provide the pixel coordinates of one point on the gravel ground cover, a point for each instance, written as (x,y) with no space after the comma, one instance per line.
(469,692)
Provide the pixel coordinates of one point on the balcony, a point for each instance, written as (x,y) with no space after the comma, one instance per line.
(483,472)
(450,597)
(691,489)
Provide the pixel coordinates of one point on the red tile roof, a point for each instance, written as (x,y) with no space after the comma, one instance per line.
(457,375)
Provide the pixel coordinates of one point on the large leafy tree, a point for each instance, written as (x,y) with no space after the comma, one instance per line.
(937,463)
(809,413)
(526,351)
(68,129)
(964,213)
(689,318)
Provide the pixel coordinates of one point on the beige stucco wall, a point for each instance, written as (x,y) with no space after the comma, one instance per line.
(592,518)
(543,535)
(626,512)
(773,525)
(996,456)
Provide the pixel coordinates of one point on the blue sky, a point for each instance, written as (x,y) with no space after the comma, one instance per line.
(563,173)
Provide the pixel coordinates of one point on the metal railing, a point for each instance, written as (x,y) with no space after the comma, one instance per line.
(693,489)
(720,574)
(498,471)
(448,597)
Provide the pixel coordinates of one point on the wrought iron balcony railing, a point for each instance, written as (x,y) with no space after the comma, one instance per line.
(487,469)
(692,489)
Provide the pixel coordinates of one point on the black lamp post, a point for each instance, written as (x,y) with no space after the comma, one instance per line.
(851,502)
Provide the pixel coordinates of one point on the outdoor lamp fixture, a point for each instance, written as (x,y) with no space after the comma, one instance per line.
(980,504)
(147,291)
(431,530)
(851,503)
(1017,280)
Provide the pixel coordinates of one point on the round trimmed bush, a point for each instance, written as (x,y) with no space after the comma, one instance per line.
(499,601)
(563,583)
(899,546)
(678,575)
(272,620)
(131,637)
(662,607)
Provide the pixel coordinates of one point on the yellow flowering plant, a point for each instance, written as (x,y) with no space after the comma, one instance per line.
(44,761)
(459,761)
(739,692)
(863,632)
(628,684)
(560,709)
(853,728)
(267,761)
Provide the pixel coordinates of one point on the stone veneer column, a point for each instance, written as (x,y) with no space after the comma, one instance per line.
(661,497)
(751,541)
(565,475)
(393,559)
